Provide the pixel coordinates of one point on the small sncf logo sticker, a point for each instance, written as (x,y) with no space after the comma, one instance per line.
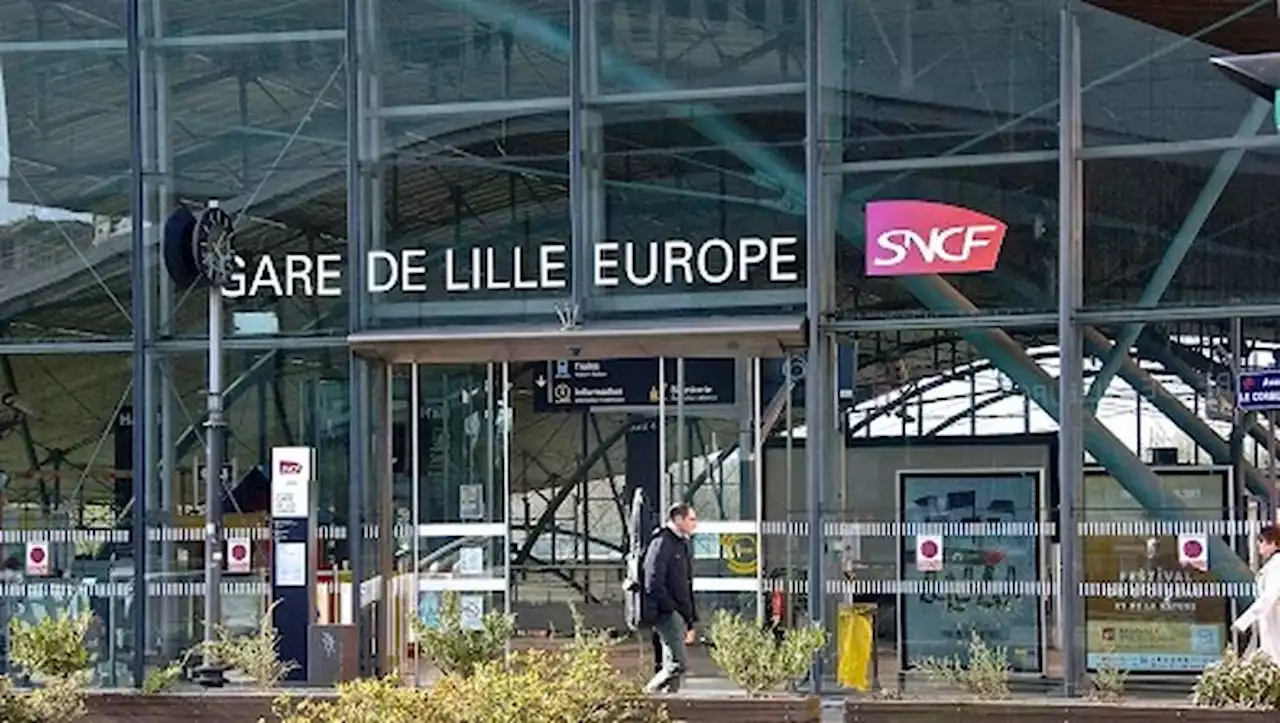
(923,237)
(290,467)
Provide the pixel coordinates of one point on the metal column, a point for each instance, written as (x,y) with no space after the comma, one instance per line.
(819,392)
(357,376)
(138,316)
(1071,356)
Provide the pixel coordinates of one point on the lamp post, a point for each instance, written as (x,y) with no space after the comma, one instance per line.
(200,251)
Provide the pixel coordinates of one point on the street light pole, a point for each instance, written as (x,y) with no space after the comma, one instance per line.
(212,250)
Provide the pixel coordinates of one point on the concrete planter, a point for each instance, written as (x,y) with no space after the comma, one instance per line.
(725,709)
(858,711)
(220,707)
(248,707)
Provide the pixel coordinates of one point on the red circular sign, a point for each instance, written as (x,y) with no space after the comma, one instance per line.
(239,552)
(928,549)
(37,555)
(1192,549)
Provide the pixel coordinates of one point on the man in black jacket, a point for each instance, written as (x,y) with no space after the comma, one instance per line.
(667,601)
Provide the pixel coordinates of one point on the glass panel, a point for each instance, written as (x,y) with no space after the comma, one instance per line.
(476,221)
(442,51)
(655,45)
(1009,219)
(65,242)
(1146,71)
(251,112)
(274,398)
(926,79)
(1180,230)
(905,478)
(703,209)
(67,504)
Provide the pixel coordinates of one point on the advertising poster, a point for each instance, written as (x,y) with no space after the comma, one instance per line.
(940,625)
(1161,634)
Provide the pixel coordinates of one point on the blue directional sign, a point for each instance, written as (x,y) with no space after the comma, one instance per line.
(1258,391)
(774,374)
(573,384)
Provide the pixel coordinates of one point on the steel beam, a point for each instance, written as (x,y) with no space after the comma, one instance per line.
(1182,242)
(570,483)
(1171,407)
(1189,367)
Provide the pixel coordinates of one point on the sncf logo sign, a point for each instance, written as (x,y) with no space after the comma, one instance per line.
(922,237)
(290,467)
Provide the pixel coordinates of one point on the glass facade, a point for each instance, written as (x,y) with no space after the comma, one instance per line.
(436,202)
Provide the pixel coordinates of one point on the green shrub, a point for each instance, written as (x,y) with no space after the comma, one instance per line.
(368,700)
(52,648)
(1109,679)
(455,649)
(53,653)
(574,684)
(255,654)
(753,658)
(1251,682)
(985,676)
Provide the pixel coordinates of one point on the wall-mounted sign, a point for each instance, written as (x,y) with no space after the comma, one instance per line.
(667,263)
(974,583)
(1258,391)
(291,476)
(1156,620)
(571,384)
(922,237)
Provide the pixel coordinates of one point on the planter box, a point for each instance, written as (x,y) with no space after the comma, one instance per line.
(779,709)
(226,707)
(1076,711)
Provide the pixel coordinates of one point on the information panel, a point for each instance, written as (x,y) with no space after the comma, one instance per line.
(939,623)
(575,384)
(1173,630)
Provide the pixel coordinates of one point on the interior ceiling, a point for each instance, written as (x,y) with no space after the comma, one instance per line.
(1256,32)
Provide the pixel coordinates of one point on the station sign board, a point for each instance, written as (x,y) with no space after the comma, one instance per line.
(1258,391)
(572,384)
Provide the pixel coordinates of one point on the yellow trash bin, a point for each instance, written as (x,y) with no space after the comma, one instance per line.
(854,644)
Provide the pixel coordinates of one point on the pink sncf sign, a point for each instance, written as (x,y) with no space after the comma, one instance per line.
(922,237)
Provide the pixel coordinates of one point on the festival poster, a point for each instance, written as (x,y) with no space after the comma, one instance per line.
(940,625)
(1165,633)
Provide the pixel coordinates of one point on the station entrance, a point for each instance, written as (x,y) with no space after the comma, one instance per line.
(510,483)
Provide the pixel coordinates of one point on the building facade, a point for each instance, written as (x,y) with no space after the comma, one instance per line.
(438,202)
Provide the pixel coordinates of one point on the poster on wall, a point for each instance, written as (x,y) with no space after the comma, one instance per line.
(1167,633)
(939,623)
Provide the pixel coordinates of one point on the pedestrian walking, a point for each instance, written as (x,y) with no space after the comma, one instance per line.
(1265,610)
(667,605)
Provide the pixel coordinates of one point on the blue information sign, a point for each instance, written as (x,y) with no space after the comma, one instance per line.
(572,384)
(1258,391)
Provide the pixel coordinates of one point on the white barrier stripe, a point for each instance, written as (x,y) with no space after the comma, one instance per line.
(1126,528)
(1166,592)
(64,536)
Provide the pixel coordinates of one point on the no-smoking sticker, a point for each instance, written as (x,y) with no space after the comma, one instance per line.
(1193,551)
(239,558)
(37,559)
(929,553)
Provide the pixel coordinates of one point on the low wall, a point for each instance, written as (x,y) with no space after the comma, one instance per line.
(1041,712)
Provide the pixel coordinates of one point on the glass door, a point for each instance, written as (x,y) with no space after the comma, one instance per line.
(456,542)
(709,459)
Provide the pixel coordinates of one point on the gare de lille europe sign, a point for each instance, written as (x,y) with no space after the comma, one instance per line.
(672,262)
